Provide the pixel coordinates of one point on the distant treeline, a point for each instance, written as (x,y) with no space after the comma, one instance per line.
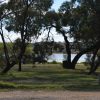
(57,47)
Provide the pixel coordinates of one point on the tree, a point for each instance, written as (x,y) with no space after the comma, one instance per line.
(84,23)
(42,50)
(25,17)
(93,59)
(89,28)
(3,14)
(78,19)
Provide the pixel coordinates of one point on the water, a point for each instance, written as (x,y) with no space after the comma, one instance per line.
(61,57)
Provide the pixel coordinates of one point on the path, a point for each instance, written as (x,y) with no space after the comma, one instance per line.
(51,95)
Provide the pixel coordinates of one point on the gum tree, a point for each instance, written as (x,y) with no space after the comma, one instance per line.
(84,27)
(78,19)
(25,18)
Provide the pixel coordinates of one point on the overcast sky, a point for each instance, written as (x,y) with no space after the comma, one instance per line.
(55,6)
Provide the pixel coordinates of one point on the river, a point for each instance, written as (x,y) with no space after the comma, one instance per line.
(61,57)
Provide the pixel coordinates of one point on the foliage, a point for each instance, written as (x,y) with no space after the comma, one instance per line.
(83,20)
(77,19)
(23,17)
(42,50)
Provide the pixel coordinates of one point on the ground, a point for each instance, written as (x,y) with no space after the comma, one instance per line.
(49,82)
(49,95)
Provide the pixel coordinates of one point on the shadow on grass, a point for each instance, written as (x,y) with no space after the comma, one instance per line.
(49,77)
(85,88)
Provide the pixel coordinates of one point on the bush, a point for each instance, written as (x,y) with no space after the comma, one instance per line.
(54,62)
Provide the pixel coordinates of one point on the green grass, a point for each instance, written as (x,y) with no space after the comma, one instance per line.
(49,77)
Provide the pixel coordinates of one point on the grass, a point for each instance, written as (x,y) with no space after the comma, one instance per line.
(49,77)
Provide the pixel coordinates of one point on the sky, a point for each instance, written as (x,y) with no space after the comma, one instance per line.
(57,37)
(57,4)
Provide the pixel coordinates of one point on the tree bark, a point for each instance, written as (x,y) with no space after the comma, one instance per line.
(93,61)
(67,63)
(95,67)
(8,67)
(22,51)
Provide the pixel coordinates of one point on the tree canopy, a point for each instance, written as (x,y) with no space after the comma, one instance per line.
(79,19)
(23,17)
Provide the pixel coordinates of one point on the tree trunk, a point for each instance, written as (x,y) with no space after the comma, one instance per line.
(76,58)
(8,64)
(95,67)
(23,47)
(68,65)
(20,66)
(93,61)
(8,67)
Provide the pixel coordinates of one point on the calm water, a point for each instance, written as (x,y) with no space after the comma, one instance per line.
(61,57)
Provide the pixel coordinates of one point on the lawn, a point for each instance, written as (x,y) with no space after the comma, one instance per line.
(49,77)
